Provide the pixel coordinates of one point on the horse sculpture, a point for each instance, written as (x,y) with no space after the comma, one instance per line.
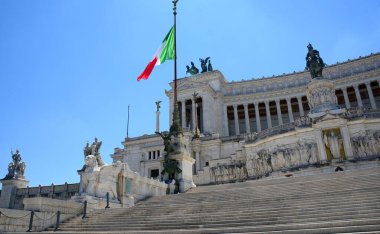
(314,62)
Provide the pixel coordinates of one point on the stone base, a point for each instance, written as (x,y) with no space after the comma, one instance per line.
(186,176)
(8,191)
(44,204)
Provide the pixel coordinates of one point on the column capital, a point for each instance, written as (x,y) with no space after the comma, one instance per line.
(277,100)
(356,86)
(245,105)
(299,97)
(367,83)
(256,102)
(288,99)
(235,105)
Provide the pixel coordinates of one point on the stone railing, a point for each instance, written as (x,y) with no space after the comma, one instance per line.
(253,137)
(356,113)
(59,191)
(140,187)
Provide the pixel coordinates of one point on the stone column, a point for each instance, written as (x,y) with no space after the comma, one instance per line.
(267,111)
(321,146)
(197,160)
(370,95)
(225,121)
(157,121)
(290,111)
(279,115)
(183,114)
(347,142)
(193,113)
(171,111)
(246,115)
(358,97)
(300,106)
(346,100)
(258,123)
(236,118)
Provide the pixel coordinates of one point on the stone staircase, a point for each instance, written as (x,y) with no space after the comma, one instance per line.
(341,202)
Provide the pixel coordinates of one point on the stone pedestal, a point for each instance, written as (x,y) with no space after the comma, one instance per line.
(185,163)
(8,192)
(322,99)
(94,203)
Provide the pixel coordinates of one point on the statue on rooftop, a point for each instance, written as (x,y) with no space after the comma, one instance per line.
(16,168)
(314,62)
(192,70)
(204,64)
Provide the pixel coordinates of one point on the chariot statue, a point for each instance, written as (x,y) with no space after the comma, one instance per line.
(192,70)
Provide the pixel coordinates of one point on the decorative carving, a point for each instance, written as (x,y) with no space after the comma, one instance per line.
(321,96)
(302,121)
(366,143)
(314,62)
(235,171)
(16,168)
(283,157)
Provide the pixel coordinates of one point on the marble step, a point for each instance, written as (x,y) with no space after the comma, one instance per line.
(248,226)
(162,224)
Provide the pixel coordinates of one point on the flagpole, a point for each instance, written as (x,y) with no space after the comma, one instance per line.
(128,122)
(175,128)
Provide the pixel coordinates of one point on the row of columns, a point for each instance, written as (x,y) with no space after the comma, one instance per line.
(183,113)
(358,96)
(289,107)
(268,115)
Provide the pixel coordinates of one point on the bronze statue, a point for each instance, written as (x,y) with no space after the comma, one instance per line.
(314,62)
(158,105)
(204,64)
(94,149)
(192,70)
(209,66)
(16,168)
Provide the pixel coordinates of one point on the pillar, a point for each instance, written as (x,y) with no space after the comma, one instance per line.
(346,100)
(258,123)
(370,95)
(290,111)
(183,114)
(193,113)
(358,97)
(321,146)
(279,115)
(197,160)
(267,111)
(246,116)
(157,121)
(347,142)
(236,118)
(225,121)
(300,106)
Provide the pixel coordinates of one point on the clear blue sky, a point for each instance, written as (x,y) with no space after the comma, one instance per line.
(68,68)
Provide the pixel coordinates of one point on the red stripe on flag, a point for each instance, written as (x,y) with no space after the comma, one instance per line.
(148,70)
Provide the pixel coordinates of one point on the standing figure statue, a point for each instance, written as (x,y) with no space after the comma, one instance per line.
(314,62)
(95,150)
(204,64)
(209,66)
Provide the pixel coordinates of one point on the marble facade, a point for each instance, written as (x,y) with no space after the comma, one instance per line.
(254,127)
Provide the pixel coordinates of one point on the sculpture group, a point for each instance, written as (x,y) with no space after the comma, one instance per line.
(16,168)
(205,67)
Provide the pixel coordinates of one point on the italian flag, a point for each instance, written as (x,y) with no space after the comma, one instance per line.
(164,52)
